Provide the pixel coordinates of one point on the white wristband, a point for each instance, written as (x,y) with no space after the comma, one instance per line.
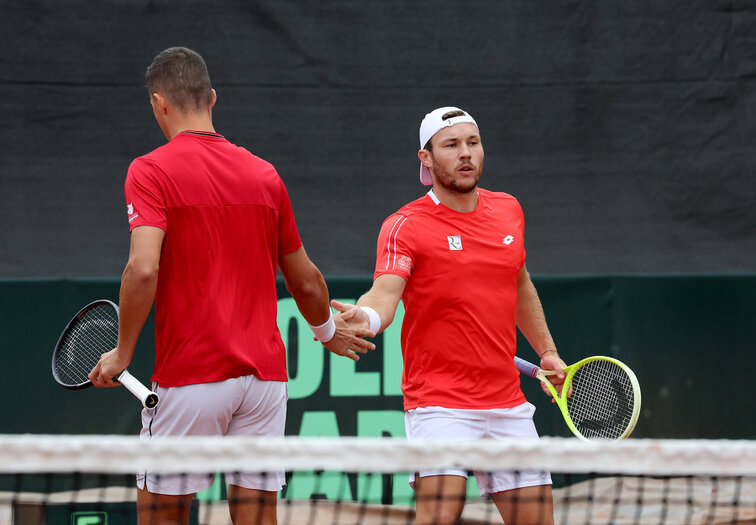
(373,318)
(324,332)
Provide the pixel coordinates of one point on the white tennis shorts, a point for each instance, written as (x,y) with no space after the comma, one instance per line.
(242,406)
(501,423)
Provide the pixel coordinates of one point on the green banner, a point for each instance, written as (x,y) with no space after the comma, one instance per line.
(688,338)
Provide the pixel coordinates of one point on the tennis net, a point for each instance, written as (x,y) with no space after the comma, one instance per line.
(88,480)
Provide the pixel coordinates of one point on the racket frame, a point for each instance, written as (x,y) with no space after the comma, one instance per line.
(539,373)
(148,398)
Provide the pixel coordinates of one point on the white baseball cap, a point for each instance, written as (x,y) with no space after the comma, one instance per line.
(432,124)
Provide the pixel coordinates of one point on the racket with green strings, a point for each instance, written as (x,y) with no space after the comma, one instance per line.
(604,396)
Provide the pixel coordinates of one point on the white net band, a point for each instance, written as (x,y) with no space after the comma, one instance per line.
(127,454)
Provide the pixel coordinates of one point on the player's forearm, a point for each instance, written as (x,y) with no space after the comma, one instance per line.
(306,285)
(384,307)
(383,298)
(311,296)
(530,318)
(138,286)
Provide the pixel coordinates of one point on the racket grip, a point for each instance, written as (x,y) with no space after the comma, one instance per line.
(525,367)
(148,398)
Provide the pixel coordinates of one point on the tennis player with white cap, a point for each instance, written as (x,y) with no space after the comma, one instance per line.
(456,257)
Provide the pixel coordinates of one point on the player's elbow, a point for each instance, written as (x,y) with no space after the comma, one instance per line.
(142,271)
(307,286)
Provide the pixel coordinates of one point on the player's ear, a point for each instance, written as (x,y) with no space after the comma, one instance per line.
(214,97)
(424,157)
(159,102)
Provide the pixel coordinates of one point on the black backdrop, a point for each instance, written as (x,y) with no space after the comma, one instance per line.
(624,128)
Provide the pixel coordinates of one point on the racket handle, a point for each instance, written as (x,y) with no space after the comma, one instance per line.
(525,367)
(148,398)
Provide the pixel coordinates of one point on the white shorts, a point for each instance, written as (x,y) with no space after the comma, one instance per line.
(500,423)
(242,406)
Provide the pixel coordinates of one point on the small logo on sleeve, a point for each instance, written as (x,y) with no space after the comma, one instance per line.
(404,263)
(130,210)
(455,242)
(508,240)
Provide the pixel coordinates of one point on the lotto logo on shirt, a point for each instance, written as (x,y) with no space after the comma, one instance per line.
(455,242)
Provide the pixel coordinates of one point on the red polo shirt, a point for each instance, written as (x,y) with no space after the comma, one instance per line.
(226,216)
(459,331)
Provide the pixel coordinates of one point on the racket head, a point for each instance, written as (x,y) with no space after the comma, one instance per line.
(92,332)
(605,401)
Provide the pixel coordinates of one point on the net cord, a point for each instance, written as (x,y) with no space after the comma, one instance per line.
(127,454)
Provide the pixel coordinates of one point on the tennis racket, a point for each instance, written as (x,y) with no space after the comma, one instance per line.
(605,400)
(92,332)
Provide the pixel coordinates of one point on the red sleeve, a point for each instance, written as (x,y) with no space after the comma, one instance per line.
(522,217)
(145,203)
(394,253)
(288,236)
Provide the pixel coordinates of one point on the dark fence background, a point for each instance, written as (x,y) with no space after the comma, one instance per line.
(624,128)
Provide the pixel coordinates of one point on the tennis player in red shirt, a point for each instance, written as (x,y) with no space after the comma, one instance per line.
(210,225)
(456,258)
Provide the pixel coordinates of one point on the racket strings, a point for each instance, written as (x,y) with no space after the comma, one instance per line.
(601,404)
(90,336)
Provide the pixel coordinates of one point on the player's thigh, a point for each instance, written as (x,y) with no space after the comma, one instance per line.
(251,507)
(159,509)
(203,409)
(515,422)
(260,412)
(526,506)
(440,499)
(442,423)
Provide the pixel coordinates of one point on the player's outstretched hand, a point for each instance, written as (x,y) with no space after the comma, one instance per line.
(353,315)
(349,339)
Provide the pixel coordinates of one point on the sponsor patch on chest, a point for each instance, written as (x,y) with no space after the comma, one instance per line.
(455,242)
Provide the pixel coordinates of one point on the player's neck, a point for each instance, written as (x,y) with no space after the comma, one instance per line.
(198,122)
(463,202)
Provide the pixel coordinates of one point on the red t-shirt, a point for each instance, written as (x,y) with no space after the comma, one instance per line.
(459,330)
(226,216)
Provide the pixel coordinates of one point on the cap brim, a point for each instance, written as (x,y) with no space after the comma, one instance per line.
(425,176)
